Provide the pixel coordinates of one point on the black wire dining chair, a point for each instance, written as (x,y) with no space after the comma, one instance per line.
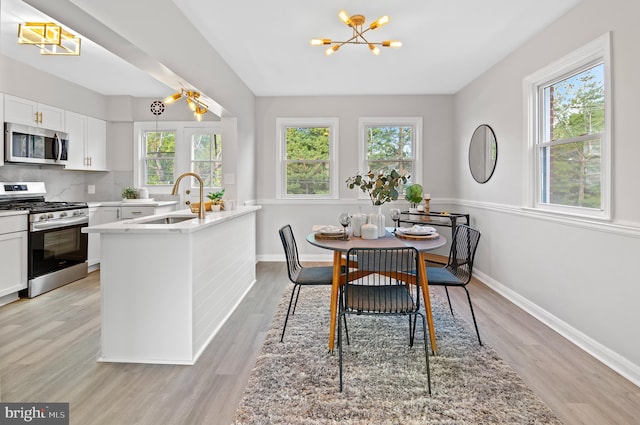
(300,275)
(382,281)
(457,272)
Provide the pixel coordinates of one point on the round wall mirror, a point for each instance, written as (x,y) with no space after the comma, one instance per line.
(483,153)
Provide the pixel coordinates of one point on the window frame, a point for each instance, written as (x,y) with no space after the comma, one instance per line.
(281,182)
(416,148)
(596,52)
(182,154)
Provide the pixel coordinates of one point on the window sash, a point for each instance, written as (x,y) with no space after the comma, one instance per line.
(291,182)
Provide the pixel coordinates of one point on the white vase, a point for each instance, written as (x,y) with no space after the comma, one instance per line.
(378,219)
(357,221)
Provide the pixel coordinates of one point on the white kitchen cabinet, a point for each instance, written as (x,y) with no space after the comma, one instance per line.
(2,132)
(93,247)
(34,114)
(13,254)
(87,142)
(110,214)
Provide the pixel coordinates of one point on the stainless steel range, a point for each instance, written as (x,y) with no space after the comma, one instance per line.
(57,246)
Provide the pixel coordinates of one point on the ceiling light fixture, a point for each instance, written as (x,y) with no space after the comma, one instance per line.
(356,22)
(198,107)
(50,38)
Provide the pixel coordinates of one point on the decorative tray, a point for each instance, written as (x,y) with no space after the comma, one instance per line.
(334,237)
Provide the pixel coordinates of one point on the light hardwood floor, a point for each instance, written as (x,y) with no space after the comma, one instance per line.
(49,346)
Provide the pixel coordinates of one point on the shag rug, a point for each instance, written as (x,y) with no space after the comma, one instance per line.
(385,381)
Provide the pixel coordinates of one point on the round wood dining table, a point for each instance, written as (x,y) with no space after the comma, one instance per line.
(340,247)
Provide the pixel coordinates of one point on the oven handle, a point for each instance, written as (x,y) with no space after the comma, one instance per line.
(45,225)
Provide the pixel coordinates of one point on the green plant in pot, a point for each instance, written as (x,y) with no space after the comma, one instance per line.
(413,194)
(129,193)
(216,199)
(381,187)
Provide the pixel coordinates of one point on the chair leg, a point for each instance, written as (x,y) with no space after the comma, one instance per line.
(340,348)
(346,331)
(288,310)
(446,290)
(426,349)
(296,303)
(412,329)
(473,315)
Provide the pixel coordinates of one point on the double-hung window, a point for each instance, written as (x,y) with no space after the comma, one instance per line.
(391,143)
(159,157)
(306,157)
(569,134)
(206,155)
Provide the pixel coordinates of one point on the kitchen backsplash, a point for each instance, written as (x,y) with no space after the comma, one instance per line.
(70,185)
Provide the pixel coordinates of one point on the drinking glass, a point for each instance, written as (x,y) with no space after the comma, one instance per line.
(395,216)
(345,220)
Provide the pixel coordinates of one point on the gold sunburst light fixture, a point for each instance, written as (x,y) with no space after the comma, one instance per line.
(356,22)
(198,107)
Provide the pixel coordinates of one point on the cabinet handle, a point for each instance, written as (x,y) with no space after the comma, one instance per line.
(136,212)
(36,117)
(40,117)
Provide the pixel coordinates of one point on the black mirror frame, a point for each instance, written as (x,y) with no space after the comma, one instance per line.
(483,127)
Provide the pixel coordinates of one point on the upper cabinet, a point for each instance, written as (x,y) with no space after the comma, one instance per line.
(2,132)
(87,142)
(27,112)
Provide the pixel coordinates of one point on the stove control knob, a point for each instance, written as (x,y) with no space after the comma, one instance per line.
(63,214)
(43,217)
(49,215)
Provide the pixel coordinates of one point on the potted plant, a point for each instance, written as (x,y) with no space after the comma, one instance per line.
(216,200)
(381,188)
(413,194)
(129,193)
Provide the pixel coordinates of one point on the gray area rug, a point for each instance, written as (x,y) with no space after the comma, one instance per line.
(385,382)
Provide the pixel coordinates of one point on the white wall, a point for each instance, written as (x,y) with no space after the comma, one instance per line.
(580,277)
(436,153)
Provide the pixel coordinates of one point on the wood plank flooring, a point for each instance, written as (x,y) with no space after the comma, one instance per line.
(49,346)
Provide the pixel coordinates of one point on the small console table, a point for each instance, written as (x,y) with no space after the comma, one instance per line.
(425,218)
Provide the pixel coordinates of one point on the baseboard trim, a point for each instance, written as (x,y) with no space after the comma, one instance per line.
(605,355)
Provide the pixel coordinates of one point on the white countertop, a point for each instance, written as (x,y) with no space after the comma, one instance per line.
(195,224)
(131,203)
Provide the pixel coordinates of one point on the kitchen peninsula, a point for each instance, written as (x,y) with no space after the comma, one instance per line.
(168,282)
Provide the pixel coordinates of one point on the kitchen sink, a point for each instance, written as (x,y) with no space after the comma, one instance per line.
(168,220)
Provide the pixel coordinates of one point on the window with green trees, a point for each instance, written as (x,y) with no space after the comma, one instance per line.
(573,113)
(160,155)
(206,157)
(391,144)
(306,148)
(569,134)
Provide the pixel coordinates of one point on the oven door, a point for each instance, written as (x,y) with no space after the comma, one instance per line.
(53,249)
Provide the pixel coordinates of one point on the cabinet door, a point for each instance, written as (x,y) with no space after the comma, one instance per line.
(96,146)
(110,214)
(1,132)
(93,249)
(135,212)
(20,111)
(13,262)
(77,129)
(51,118)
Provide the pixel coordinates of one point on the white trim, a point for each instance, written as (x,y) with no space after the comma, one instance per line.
(598,50)
(605,355)
(333,124)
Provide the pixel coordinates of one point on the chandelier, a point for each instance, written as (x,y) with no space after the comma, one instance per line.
(49,37)
(198,107)
(356,22)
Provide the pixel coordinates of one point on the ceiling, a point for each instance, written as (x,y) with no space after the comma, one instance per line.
(446,45)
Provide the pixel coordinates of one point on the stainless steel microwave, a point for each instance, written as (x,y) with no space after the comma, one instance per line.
(34,145)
